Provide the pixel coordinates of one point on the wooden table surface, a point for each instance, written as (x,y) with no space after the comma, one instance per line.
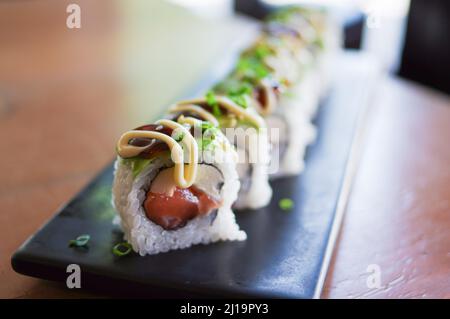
(65,96)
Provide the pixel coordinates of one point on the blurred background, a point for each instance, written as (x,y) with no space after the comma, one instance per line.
(66,94)
(148,43)
(409,37)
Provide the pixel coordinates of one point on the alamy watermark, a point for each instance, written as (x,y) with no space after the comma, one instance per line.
(74,279)
(73,20)
(256,146)
(373,280)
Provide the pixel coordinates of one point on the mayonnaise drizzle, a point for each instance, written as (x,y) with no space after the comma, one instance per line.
(207,116)
(230,106)
(183,178)
(191,121)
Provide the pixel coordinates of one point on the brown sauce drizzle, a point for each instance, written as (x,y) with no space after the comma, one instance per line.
(157,146)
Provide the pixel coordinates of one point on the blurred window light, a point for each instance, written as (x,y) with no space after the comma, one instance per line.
(386,8)
(383,34)
(210,9)
(326,3)
(384,31)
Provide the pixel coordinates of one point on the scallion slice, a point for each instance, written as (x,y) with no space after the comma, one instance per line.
(286,204)
(122,249)
(80,241)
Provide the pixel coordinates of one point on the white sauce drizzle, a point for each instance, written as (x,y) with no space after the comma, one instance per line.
(184,175)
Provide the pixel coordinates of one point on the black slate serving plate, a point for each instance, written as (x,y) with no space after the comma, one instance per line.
(286,253)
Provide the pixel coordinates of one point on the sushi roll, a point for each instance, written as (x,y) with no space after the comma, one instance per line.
(247,131)
(285,75)
(288,125)
(176,181)
(318,29)
(290,129)
(289,31)
(287,98)
(172,190)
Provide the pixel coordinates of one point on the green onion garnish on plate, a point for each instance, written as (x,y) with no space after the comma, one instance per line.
(286,204)
(80,241)
(122,249)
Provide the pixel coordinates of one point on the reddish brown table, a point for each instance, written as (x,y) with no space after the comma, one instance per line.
(62,106)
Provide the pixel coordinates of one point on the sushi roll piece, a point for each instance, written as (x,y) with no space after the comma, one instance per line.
(169,192)
(303,88)
(290,129)
(281,96)
(288,99)
(318,29)
(287,72)
(247,131)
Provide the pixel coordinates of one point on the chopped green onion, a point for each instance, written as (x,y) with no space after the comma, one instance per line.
(80,241)
(241,89)
(206,125)
(245,88)
(319,43)
(262,51)
(286,204)
(179,136)
(205,143)
(212,101)
(240,94)
(240,100)
(210,98)
(122,249)
(216,110)
(252,68)
(283,15)
(209,133)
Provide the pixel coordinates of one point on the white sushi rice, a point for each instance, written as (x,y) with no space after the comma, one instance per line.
(297,108)
(147,237)
(259,192)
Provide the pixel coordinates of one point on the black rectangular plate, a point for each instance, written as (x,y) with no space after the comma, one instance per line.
(284,255)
